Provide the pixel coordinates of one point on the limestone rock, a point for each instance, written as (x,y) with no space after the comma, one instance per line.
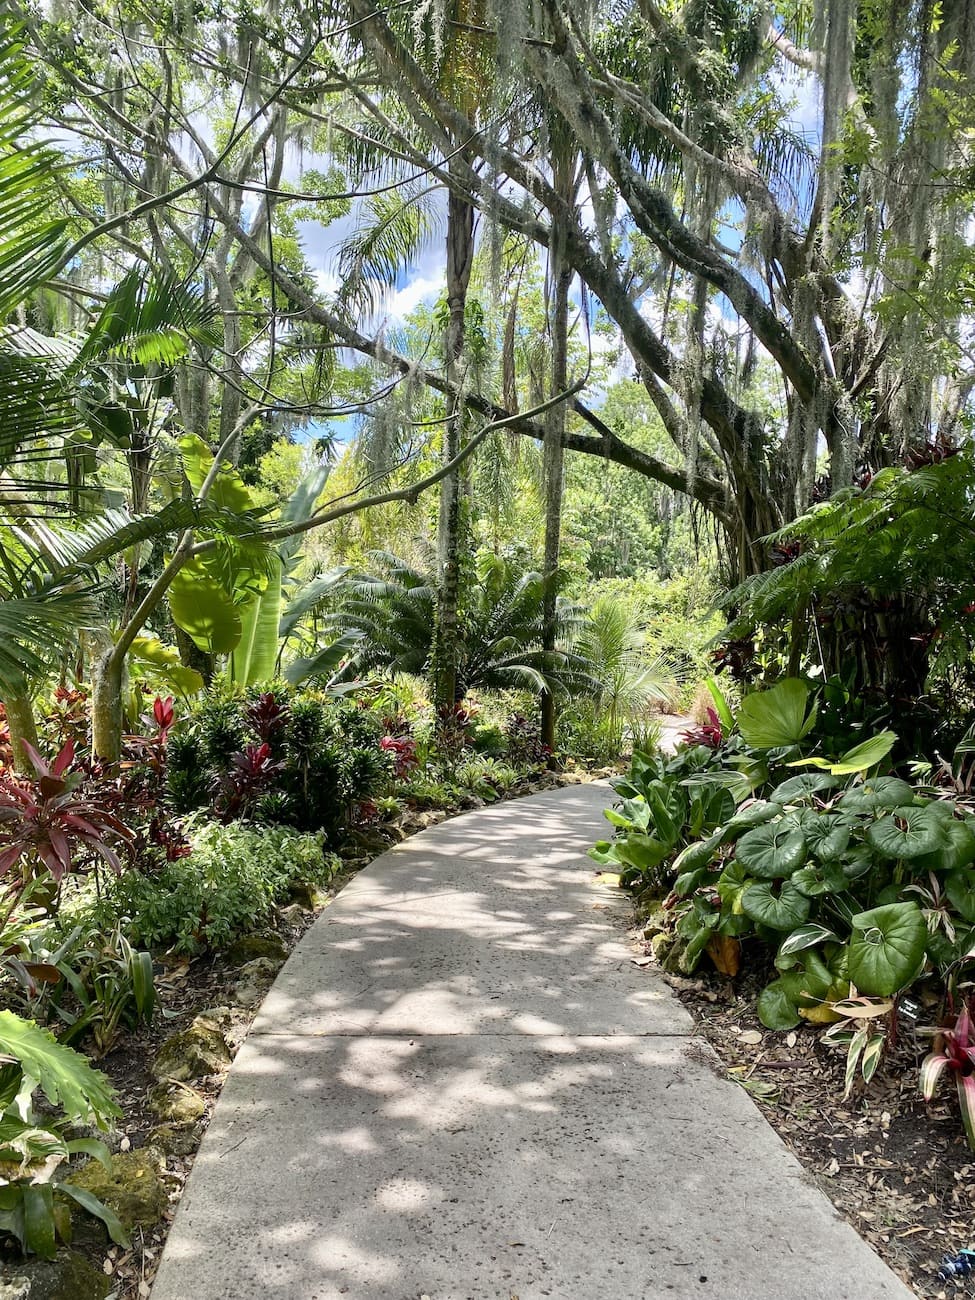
(667,948)
(175,1104)
(433,817)
(175,1139)
(307,896)
(132,1187)
(251,946)
(68,1276)
(255,980)
(194,1052)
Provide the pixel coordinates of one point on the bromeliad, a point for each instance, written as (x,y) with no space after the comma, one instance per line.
(954,1050)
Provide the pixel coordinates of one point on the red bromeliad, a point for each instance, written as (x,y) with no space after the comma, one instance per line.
(954,1050)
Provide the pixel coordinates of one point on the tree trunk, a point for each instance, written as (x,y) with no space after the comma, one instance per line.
(553,457)
(448,638)
(107,707)
(20,720)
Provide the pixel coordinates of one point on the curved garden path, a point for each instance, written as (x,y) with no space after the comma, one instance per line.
(461,1088)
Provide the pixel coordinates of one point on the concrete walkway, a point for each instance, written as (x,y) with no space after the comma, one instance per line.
(461,1088)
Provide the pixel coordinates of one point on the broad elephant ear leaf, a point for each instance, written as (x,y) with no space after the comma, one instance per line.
(772,850)
(800,789)
(881,793)
(777,717)
(784,910)
(753,814)
(908,832)
(887,947)
(957,849)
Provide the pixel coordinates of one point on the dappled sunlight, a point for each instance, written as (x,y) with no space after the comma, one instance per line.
(467,1099)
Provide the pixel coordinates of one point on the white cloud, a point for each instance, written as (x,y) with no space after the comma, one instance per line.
(422,288)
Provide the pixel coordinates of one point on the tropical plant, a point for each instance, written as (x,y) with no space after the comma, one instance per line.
(229,884)
(385,622)
(48,821)
(631,682)
(33,1143)
(954,1052)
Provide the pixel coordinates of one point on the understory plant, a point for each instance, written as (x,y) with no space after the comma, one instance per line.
(848,879)
(227,886)
(298,759)
(35,1141)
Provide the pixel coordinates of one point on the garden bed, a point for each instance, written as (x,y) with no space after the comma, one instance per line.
(899,1171)
(188,987)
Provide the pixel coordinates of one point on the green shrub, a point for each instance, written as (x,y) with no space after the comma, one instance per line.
(227,886)
(296,758)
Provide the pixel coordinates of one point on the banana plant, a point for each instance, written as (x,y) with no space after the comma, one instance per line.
(230,601)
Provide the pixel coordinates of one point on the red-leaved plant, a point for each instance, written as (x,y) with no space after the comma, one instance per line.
(954,1050)
(46,819)
(250,774)
(402,750)
(708,733)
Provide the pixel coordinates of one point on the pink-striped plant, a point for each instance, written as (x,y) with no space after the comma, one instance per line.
(954,1050)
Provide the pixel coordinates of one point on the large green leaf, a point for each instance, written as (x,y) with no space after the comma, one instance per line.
(781,911)
(229,491)
(858,759)
(801,789)
(805,986)
(957,849)
(255,658)
(876,795)
(777,717)
(827,836)
(819,878)
(753,814)
(771,850)
(960,888)
(202,607)
(162,665)
(698,854)
(908,832)
(886,950)
(65,1077)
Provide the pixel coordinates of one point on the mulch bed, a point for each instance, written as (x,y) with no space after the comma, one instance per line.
(898,1170)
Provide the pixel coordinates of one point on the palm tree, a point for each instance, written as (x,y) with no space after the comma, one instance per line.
(384,621)
(631,682)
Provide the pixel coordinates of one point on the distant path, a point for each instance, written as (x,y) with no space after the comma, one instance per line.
(462,1088)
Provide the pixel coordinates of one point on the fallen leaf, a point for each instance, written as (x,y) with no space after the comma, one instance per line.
(725,952)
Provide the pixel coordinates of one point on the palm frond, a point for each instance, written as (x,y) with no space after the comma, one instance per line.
(31,246)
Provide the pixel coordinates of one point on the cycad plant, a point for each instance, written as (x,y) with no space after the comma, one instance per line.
(384,620)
